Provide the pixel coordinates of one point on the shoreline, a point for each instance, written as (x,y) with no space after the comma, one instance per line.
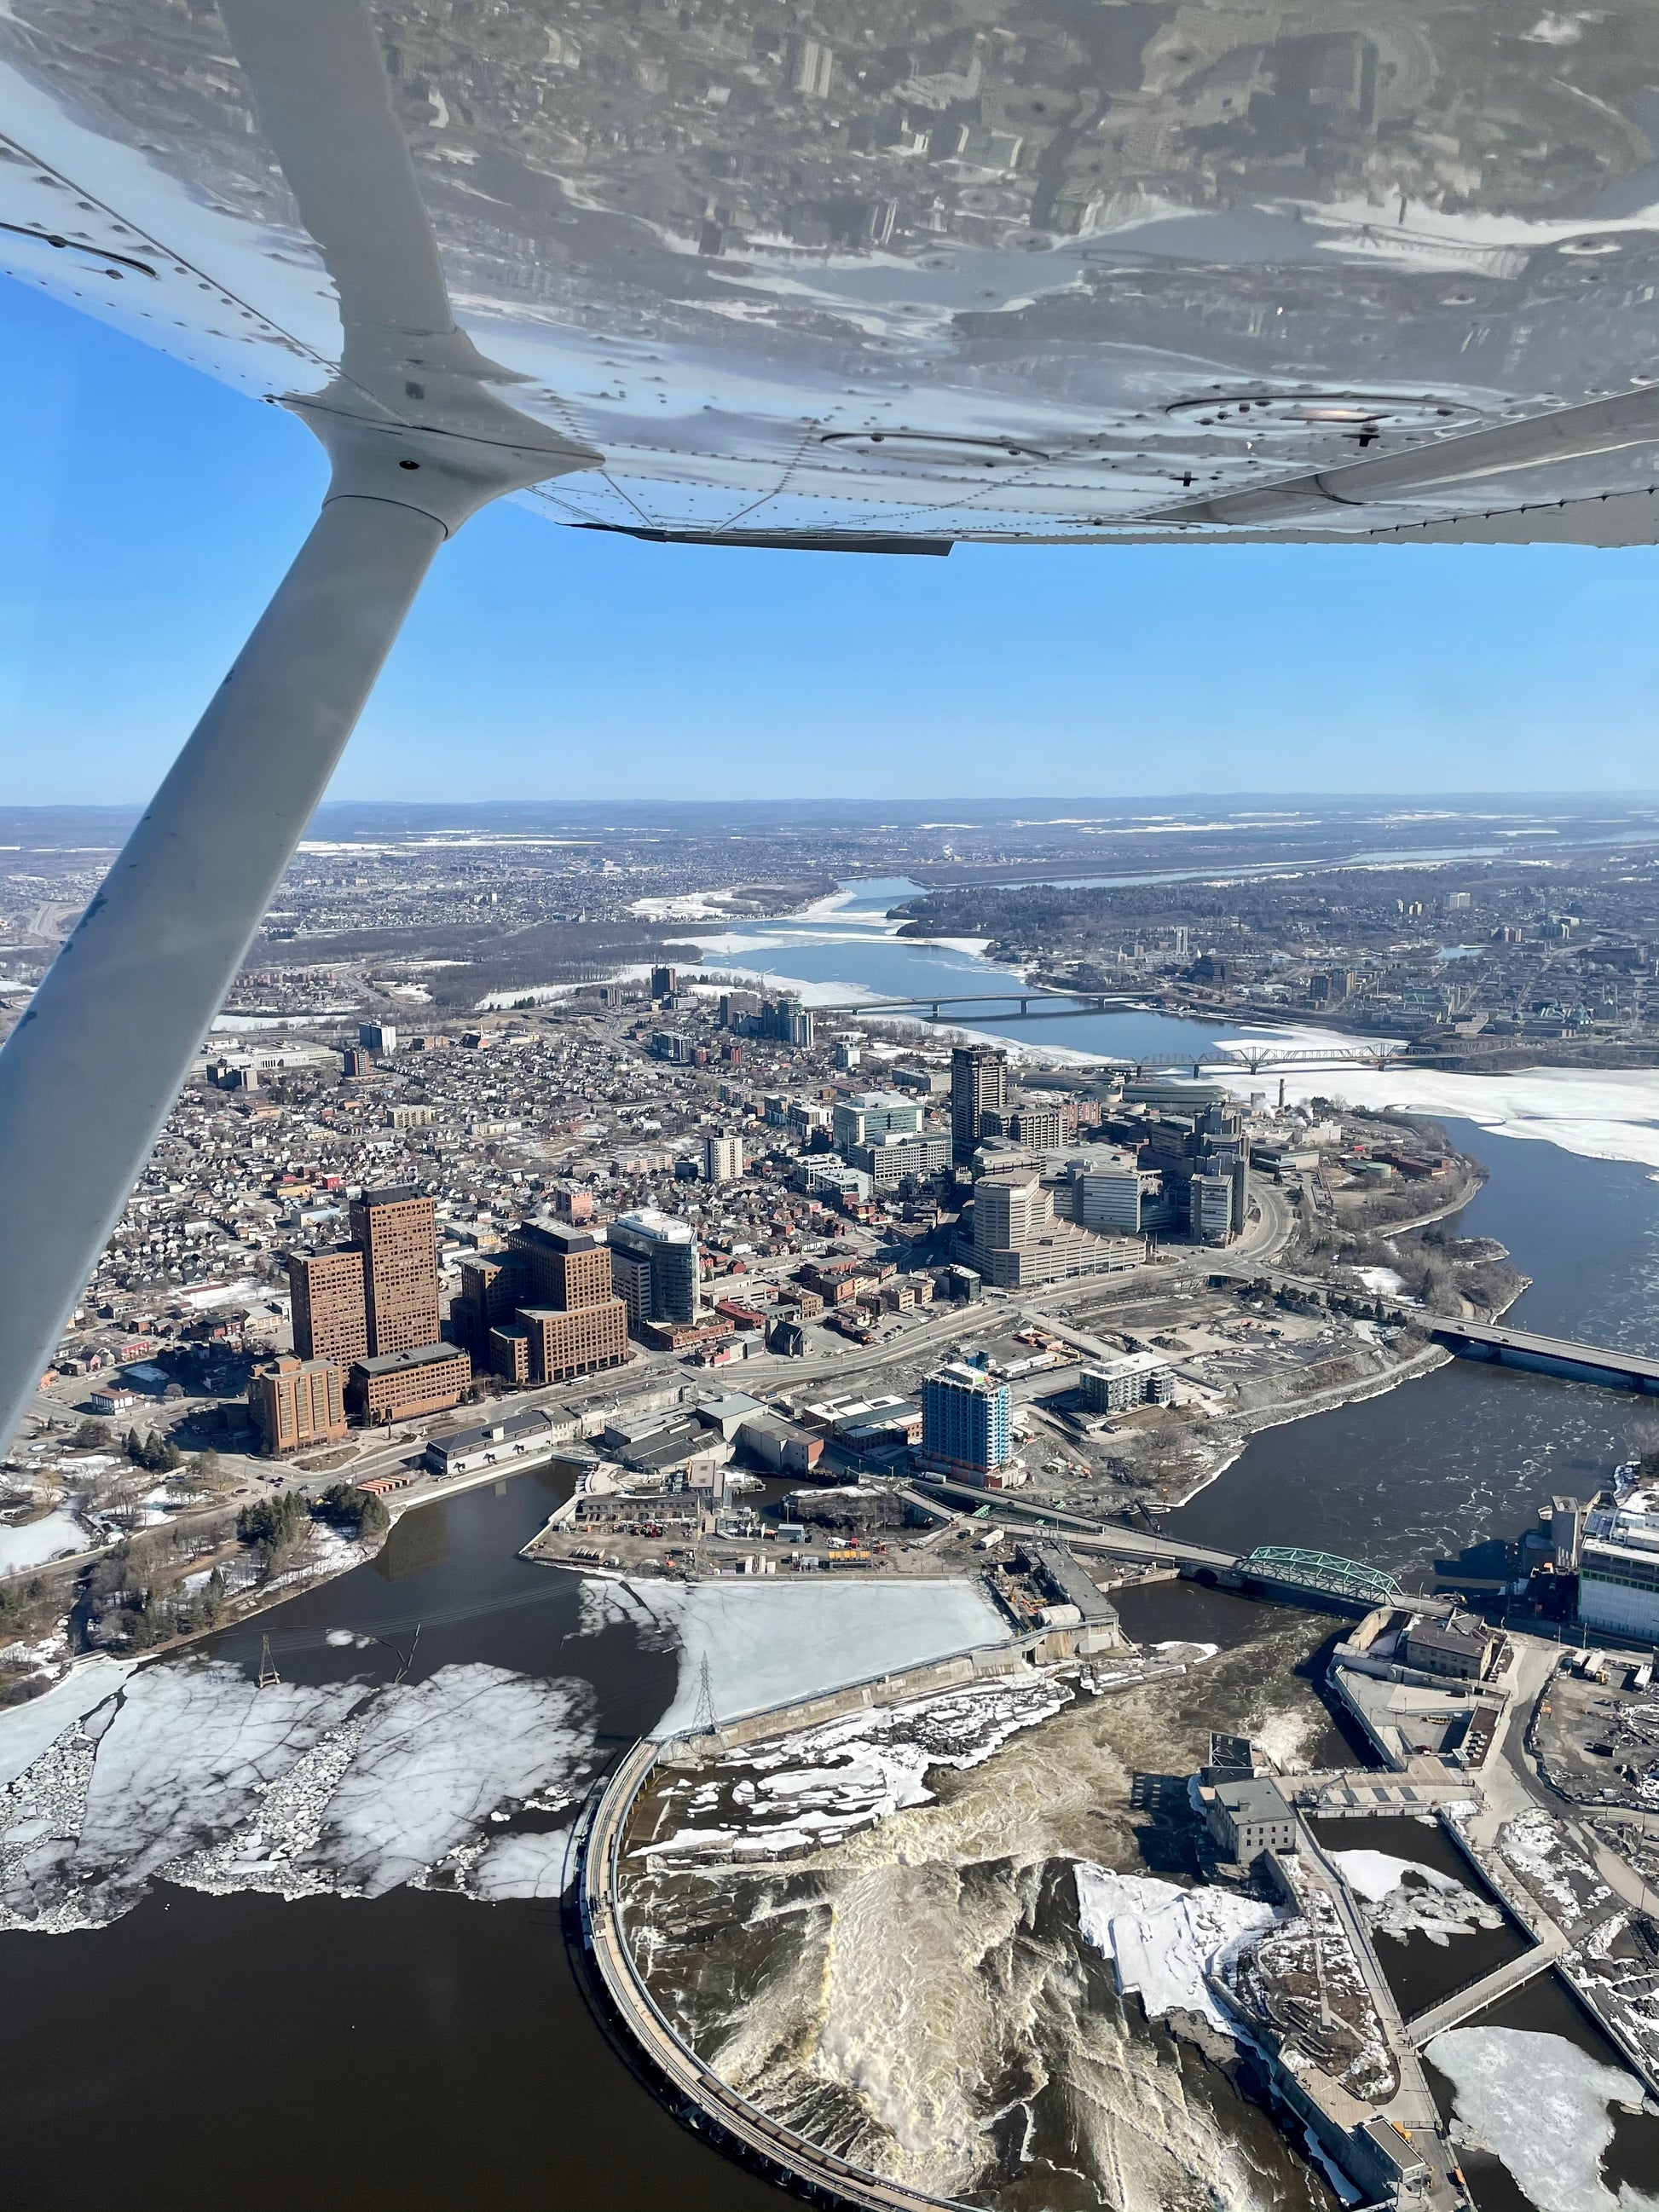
(1426,1362)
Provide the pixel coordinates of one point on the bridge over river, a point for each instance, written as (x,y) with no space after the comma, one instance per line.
(1037,1005)
(1495,1341)
(1320,1579)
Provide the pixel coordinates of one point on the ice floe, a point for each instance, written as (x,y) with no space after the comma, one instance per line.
(193,1774)
(1602,1114)
(797,1792)
(25,1731)
(1542,2106)
(31,1543)
(766,1646)
(1162,1940)
(1403,1898)
(541,1865)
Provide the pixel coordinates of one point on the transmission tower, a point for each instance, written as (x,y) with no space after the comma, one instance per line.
(702,1720)
(268,1674)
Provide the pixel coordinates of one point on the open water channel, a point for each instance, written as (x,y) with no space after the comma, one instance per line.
(420,2050)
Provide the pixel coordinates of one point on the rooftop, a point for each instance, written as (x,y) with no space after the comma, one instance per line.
(418,1355)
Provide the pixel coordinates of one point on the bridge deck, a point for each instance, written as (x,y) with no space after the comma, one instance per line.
(1463,2005)
(1605,1358)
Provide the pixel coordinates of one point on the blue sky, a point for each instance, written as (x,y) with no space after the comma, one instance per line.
(150,512)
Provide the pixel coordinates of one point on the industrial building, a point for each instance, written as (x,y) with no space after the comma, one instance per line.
(1618,1568)
(1248,1818)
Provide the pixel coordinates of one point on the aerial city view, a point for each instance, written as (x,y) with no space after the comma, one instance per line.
(828,1107)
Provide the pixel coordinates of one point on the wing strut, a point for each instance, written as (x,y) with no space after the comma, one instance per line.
(420,438)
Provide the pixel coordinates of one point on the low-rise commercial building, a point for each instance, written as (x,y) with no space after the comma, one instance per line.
(1140,1378)
(575,1340)
(515,1440)
(888,1160)
(399,1386)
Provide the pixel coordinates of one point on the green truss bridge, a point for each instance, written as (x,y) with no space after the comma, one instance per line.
(1323,1574)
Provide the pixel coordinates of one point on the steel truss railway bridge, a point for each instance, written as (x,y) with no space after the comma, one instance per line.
(1041,1005)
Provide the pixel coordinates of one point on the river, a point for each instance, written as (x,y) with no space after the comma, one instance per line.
(420,2049)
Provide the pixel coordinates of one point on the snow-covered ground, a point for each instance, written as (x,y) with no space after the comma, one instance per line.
(1162,1940)
(1542,2106)
(192,1773)
(1546,1862)
(766,1645)
(689,906)
(796,1793)
(31,1543)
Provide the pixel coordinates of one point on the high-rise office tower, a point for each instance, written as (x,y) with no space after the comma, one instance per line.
(377,1036)
(560,1268)
(330,1319)
(491,1290)
(1210,1197)
(397,1232)
(979,1084)
(667,1248)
